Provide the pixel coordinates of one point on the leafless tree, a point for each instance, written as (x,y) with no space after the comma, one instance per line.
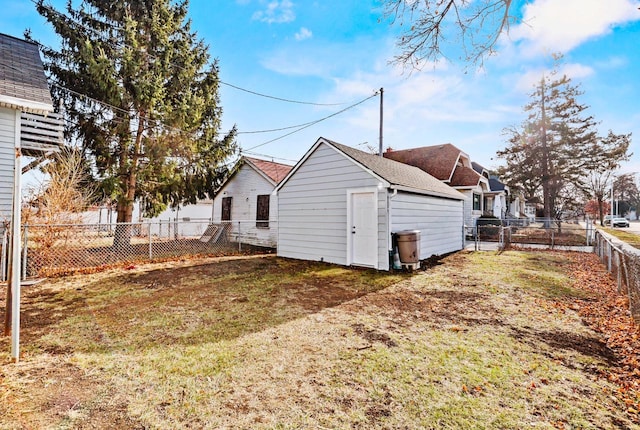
(429,24)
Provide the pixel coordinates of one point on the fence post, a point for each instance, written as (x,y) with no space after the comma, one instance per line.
(150,244)
(619,272)
(239,241)
(175,228)
(25,239)
(587,231)
(626,271)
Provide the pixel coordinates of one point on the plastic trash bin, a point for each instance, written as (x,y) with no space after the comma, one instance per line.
(408,246)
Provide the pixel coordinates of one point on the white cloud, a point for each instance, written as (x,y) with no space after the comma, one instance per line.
(561,25)
(303,34)
(526,82)
(276,12)
(612,63)
(426,100)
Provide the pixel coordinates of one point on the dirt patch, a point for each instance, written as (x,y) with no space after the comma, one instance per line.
(560,341)
(66,395)
(439,308)
(371,335)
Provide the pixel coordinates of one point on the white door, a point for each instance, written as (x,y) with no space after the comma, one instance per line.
(364,229)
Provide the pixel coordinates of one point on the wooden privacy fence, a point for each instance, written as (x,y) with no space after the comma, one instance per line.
(623,261)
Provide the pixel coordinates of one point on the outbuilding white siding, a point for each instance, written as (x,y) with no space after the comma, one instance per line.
(7,160)
(439,221)
(244,189)
(313,209)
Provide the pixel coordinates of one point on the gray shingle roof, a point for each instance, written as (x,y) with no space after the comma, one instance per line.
(399,174)
(496,185)
(23,83)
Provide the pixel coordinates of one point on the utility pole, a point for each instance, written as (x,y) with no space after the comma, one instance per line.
(613,179)
(381,117)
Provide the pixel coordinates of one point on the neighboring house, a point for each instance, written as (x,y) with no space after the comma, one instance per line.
(341,205)
(499,201)
(27,120)
(246,201)
(531,210)
(453,167)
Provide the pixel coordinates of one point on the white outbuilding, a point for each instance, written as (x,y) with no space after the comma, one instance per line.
(341,205)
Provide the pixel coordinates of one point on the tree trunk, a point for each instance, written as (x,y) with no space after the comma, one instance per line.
(123,231)
(124,228)
(600,210)
(546,178)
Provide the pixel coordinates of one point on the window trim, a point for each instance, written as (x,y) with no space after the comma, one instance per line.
(225,214)
(262,210)
(477,198)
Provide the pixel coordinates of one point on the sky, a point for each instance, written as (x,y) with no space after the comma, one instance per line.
(332,54)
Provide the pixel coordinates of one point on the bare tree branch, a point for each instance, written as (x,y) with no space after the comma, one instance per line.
(430,24)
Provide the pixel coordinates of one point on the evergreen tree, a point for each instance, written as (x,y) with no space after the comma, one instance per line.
(555,144)
(151,121)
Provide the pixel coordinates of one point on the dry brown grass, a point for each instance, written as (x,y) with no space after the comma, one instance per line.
(475,342)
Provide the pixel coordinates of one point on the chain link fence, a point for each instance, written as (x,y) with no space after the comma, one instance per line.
(524,232)
(55,249)
(623,262)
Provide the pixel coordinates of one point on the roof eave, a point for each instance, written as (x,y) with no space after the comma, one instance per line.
(260,171)
(425,192)
(25,105)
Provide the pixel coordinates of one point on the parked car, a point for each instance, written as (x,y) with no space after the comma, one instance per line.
(620,222)
(606,220)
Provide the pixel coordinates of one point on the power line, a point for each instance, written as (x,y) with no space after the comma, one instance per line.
(279,98)
(314,122)
(158,122)
(133,117)
(267,156)
(276,129)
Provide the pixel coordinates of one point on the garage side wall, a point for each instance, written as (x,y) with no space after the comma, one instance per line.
(439,221)
(312,209)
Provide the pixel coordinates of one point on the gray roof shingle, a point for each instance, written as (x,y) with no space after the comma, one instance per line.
(22,74)
(399,174)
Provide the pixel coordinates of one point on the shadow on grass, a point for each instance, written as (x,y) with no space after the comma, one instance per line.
(188,305)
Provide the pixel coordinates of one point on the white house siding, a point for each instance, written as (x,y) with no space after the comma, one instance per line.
(244,187)
(470,216)
(191,220)
(312,209)
(7,160)
(439,221)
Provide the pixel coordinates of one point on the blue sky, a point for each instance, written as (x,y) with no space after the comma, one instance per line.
(336,51)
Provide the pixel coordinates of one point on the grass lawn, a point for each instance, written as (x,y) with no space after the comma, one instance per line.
(632,239)
(481,340)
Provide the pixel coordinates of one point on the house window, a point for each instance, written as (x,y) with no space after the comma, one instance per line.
(476,202)
(487,204)
(262,211)
(226,208)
